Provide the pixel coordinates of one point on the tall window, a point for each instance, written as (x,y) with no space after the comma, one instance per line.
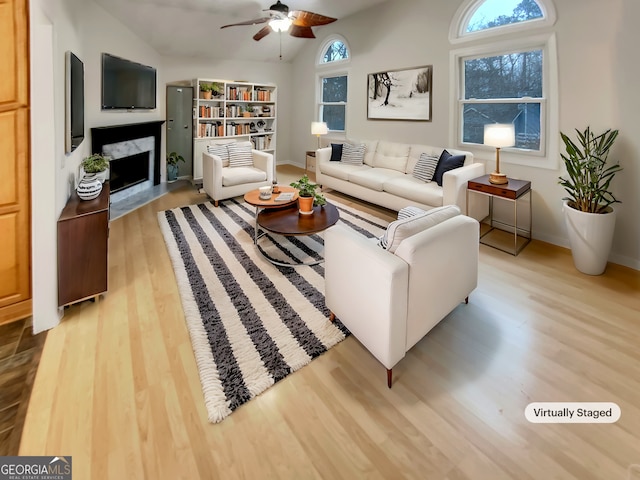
(505,81)
(333,102)
(505,88)
(333,88)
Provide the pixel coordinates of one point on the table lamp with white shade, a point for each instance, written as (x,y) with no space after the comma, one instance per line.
(319,128)
(499,135)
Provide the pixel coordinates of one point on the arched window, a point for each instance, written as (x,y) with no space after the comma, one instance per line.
(483,18)
(496,13)
(333,83)
(506,81)
(335,51)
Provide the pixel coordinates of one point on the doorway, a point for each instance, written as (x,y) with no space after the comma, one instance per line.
(180,127)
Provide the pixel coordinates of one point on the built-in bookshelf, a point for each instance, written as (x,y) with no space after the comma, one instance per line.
(232,111)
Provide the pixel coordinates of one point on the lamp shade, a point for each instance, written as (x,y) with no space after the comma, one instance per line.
(319,128)
(499,135)
(280,24)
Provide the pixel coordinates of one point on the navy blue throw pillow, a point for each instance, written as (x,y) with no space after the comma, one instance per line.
(336,152)
(445,163)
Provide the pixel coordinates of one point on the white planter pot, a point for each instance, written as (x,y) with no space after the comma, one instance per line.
(89,187)
(590,236)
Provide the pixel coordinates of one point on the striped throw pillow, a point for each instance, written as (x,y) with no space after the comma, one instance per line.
(426,167)
(240,154)
(221,150)
(352,154)
(409,211)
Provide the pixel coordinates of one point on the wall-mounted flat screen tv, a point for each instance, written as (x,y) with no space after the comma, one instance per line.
(126,84)
(74,102)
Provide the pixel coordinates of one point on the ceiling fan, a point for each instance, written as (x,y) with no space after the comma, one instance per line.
(281,19)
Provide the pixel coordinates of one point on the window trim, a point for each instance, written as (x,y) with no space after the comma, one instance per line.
(548,155)
(458,26)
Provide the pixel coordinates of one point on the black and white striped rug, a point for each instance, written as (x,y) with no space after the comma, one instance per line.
(251,323)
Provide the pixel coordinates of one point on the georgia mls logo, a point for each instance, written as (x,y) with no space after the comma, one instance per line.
(35,468)
(63,466)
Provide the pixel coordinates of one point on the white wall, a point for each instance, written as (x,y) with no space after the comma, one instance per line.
(86,29)
(597,87)
(180,69)
(44,270)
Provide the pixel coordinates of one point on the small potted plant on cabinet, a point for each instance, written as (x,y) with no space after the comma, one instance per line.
(307,196)
(172,166)
(589,216)
(96,164)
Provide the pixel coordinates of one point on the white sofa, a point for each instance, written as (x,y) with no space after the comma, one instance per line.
(221,181)
(386,176)
(391,298)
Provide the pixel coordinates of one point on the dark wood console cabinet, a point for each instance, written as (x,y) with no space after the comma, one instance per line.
(83,237)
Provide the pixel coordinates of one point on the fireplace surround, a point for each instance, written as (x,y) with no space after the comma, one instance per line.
(128,144)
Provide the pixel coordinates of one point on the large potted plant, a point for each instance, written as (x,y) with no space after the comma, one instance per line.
(307,195)
(589,215)
(172,165)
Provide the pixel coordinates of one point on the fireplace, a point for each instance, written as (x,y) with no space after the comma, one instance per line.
(128,171)
(134,150)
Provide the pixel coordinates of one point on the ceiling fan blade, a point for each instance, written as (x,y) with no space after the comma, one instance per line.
(301,32)
(309,19)
(255,21)
(264,31)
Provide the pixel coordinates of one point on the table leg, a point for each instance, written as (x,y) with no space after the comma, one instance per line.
(255,228)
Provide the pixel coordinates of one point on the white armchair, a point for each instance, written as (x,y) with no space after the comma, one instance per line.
(389,301)
(221,181)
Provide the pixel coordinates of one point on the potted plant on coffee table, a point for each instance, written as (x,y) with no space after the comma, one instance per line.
(307,195)
(589,215)
(172,166)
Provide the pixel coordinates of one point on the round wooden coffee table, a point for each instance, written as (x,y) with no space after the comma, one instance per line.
(253,198)
(283,218)
(289,222)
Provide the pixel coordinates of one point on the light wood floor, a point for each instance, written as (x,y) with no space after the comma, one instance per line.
(118,388)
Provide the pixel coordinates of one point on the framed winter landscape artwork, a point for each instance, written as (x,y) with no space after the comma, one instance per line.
(400,94)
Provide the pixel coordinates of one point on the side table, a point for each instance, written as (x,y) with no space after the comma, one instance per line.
(514,191)
(310,161)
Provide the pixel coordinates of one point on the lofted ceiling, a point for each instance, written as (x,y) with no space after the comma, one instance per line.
(192,27)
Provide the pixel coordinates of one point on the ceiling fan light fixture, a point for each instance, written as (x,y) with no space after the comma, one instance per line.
(280,24)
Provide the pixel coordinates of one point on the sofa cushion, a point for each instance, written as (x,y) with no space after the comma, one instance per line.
(447,162)
(336,152)
(373,178)
(341,170)
(390,155)
(426,167)
(238,175)
(405,186)
(398,230)
(352,154)
(240,154)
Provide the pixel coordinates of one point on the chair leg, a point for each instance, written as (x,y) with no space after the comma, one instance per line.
(332,317)
(389,375)
(215,203)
